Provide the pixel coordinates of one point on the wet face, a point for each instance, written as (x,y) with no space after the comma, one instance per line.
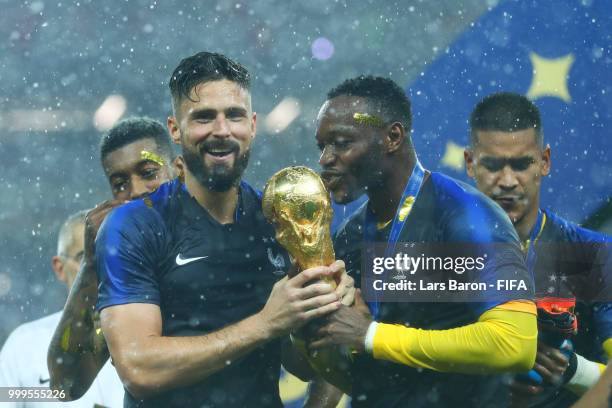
(350,151)
(130,175)
(508,167)
(215,128)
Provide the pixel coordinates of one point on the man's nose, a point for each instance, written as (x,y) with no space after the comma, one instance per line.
(508,179)
(327,157)
(140,188)
(221,126)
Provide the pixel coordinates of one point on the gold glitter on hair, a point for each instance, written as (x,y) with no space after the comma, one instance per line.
(367,119)
(155,158)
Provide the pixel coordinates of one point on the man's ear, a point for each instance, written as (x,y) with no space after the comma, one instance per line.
(395,137)
(468,156)
(174,129)
(57,264)
(254,125)
(545,166)
(179,168)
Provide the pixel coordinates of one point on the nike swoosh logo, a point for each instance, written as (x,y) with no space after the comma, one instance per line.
(184,261)
(40,380)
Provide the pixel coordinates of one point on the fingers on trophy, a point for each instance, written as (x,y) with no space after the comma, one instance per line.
(297,203)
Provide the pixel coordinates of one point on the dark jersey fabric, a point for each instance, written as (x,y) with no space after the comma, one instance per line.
(572,261)
(450,211)
(167,250)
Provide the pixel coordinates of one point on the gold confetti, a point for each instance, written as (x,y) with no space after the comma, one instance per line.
(367,119)
(65,341)
(406,207)
(155,158)
(403,213)
(382,225)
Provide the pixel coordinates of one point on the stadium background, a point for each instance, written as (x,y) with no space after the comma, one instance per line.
(70,69)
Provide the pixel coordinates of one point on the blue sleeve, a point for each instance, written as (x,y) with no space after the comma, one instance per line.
(473,219)
(590,255)
(602,316)
(601,279)
(128,246)
(599,251)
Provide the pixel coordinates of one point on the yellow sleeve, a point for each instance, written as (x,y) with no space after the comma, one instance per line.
(601,367)
(607,346)
(503,339)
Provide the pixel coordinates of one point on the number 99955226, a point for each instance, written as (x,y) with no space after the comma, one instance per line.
(24,394)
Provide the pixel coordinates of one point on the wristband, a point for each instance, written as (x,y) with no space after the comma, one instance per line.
(586,375)
(369,337)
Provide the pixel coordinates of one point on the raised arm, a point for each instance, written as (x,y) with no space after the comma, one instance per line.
(504,339)
(78,351)
(148,362)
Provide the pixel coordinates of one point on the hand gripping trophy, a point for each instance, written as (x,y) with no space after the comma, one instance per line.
(296,202)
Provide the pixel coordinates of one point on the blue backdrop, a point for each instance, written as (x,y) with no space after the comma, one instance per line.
(555,52)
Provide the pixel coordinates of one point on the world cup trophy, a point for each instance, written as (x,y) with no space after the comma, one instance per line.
(297,203)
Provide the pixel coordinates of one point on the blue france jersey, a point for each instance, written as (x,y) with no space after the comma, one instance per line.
(167,250)
(575,261)
(445,211)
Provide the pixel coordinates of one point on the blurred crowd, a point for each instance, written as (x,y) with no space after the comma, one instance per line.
(61,60)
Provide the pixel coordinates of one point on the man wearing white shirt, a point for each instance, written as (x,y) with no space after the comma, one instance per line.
(23,358)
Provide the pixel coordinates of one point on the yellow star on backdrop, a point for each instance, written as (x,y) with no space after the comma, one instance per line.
(453,156)
(550,77)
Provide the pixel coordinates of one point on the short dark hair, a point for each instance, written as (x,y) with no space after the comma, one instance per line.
(505,112)
(205,67)
(382,94)
(133,129)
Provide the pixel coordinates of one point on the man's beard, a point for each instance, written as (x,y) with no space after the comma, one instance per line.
(218,177)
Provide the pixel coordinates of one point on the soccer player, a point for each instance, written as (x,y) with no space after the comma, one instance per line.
(415,354)
(190,304)
(136,156)
(508,159)
(23,360)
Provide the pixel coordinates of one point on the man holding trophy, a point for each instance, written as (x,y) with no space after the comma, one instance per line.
(408,353)
(190,305)
(297,203)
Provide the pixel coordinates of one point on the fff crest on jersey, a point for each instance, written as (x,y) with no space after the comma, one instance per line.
(277,261)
